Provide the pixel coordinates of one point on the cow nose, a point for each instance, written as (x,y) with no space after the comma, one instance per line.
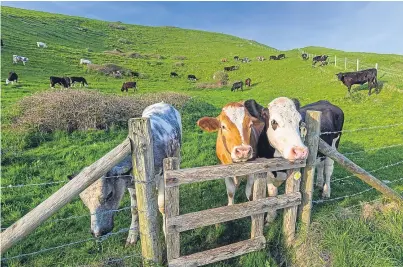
(243,152)
(299,153)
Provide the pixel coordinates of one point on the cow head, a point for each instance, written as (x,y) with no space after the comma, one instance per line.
(283,129)
(102,198)
(238,133)
(339,76)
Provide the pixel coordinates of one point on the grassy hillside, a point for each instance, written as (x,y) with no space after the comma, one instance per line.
(340,237)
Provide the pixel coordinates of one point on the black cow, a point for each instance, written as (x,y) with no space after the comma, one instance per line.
(236,58)
(360,77)
(237,85)
(127,85)
(322,59)
(12,77)
(174,74)
(133,73)
(80,80)
(273,57)
(62,81)
(281,56)
(248,82)
(332,120)
(191,77)
(2,44)
(305,56)
(231,68)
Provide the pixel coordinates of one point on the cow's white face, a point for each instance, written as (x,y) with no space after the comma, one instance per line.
(283,122)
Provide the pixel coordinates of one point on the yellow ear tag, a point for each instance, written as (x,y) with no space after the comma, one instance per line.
(297,175)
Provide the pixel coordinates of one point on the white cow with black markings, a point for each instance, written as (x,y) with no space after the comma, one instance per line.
(85,61)
(41,45)
(17,59)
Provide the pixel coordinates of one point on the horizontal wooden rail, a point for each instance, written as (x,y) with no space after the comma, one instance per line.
(221,253)
(64,195)
(198,219)
(207,173)
(358,171)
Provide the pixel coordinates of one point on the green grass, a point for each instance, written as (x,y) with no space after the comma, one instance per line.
(36,158)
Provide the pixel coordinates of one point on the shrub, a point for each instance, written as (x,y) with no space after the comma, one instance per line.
(124,41)
(116,26)
(208,85)
(179,64)
(180,57)
(70,110)
(221,77)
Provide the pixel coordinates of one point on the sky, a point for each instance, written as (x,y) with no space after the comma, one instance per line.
(349,26)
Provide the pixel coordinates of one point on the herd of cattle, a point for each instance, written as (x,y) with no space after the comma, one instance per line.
(246,130)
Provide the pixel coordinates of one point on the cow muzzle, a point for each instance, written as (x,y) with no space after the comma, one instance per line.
(297,153)
(241,153)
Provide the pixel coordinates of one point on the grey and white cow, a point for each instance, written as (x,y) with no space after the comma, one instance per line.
(41,44)
(17,59)
(104,196)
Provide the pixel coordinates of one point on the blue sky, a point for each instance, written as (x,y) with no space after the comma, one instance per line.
(350,26)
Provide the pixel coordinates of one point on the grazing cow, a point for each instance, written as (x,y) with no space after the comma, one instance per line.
(127,85)
(237,138)
(12,77)
(236,86)
(273,57)
(245,60)
(62,81)
(260,58)
(17,59)
(174,74)
(305,56)
(360,77)
(80,80)
(236,58)
(191,77)
(322,59)
(85,61)
(224,60)
(40,44)
(248,82)
(117,74)
(104,195)
(133,73)
(281,56)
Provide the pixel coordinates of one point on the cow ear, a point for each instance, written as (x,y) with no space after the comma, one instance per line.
(209,124)
(265,114)
(258,125)
(296,103)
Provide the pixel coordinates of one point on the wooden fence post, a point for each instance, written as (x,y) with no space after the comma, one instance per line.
(358,64)
(335,61)
(290,214)
(345,63)
(259,191)
(376,65)
(143,172)
(172,209)
(312,120)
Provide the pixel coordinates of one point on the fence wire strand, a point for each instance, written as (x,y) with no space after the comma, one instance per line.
(365,128)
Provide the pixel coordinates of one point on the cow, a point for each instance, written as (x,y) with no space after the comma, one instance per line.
(174,74)
(85,61)
(2,44)
(305,56)
(245,60)
(236,58)
(133,73)
(281,56)
(322,59)
(127,85)
(191,77)
(104,196)
(80,80)
(273,57)
(260,58)
(12,77)
(248,82)
(17,59)
(360,77)
(62,81)
(224,60)
(40,44)
(236,86)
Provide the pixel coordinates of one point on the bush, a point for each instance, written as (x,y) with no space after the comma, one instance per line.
(208,85)
(124,41)
(221,77)
(107,69)
(180,57)
(179,64)
(71,110)
(116,26)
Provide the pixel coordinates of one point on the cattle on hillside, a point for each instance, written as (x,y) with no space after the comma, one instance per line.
(281,56)
(133,73)
(42,45)
(81,80)
(62,81)
(231,68)
(305,56)
(85,61)
(360,77)
(236,86)
(174,74)
(17,59)
(245,60)
(261,58)
(236,58)
(104,196)
(273,58)
(224,60)
(248,82)
(12,77)
(127,85)
(192,77)
(322,59)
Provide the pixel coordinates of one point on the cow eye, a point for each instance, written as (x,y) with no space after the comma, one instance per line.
(274,124)
(223,127)
(109,196)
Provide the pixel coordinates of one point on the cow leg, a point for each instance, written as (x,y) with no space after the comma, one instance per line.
(329,166)
(134,227)
(249,185)
(161,199)
(231,187)
(369,87)
(319,169)
(272,191)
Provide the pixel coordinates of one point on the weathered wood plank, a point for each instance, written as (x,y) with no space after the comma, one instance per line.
(228,213)
(221,253)
(290,214)
(61,197)
(358,171)
(143,170)
(207,173)
(312,120)
(259,192)
(172,209)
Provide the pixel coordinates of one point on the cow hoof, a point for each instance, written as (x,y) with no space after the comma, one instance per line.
(132,238)
(326,192)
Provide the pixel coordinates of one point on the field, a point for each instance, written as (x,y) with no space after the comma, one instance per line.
(367,236)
